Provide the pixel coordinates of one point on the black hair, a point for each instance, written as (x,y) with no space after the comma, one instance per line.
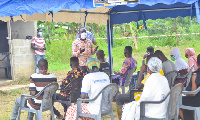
(74,59)
(42,64)
(150,49)
(129,49)
(160,55)
(38,29)
(198,60)
(100,53)
(95,68)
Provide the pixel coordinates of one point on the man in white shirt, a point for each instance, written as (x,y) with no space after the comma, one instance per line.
(92,84)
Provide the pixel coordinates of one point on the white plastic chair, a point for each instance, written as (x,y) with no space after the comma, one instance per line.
(108,92)
(47,103)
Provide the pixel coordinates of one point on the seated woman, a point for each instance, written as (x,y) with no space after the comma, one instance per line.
(167,66)
(192,59)
(191,100)
(129,63)
(155,89)
(125,98)
(180,64)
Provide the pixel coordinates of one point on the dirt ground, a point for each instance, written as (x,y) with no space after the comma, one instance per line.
(7,99)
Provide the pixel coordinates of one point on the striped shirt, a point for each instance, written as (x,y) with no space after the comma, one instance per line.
(39,42)
(37,83)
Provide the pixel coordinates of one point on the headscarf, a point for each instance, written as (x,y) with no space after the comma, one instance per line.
(192,59)
(93,62)
(180,63)
(155,64)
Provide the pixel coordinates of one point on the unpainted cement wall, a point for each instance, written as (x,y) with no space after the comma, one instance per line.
(23,58)
(20,29)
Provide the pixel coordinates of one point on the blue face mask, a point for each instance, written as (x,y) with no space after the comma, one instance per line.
(173,58)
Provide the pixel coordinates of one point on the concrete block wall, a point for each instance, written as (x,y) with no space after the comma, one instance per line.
(23,59)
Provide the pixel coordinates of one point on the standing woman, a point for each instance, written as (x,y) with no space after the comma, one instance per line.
(192,59)
(180,64)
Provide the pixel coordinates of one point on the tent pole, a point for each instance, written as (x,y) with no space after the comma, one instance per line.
(111,45)
(109,35)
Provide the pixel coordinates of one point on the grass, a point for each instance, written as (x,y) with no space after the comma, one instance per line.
(7,100)
(59,65)
(118,50)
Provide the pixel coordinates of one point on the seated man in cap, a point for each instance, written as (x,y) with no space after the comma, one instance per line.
(92,84)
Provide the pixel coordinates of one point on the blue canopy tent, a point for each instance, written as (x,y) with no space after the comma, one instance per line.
(145,9)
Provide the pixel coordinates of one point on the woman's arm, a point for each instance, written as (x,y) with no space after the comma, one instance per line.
(194,85)
(139,84)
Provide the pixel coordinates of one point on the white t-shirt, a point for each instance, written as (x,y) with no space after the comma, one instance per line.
(92,84)
(155,89)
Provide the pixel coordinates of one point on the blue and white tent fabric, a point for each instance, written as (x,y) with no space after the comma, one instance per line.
(78,10)
(84,11)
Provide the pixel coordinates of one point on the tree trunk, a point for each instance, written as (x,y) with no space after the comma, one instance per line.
(135,39)
(177,37)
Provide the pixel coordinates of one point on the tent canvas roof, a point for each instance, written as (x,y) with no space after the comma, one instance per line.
(74,10)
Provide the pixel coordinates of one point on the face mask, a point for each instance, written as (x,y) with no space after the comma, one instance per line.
(148,53)
(40,33)
(173,58)
(83,36)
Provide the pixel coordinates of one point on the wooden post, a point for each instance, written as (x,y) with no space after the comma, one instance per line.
(135,39)
(177,37)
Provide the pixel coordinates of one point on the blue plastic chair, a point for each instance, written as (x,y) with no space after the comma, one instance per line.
(47,101)
(7,67)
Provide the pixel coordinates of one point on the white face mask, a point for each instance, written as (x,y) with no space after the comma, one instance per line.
(40,34)
(83,36)
(148,53)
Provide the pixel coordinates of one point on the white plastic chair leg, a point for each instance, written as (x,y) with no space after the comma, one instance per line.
(112,116)
(19,113)
(52,114)
(197,116)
